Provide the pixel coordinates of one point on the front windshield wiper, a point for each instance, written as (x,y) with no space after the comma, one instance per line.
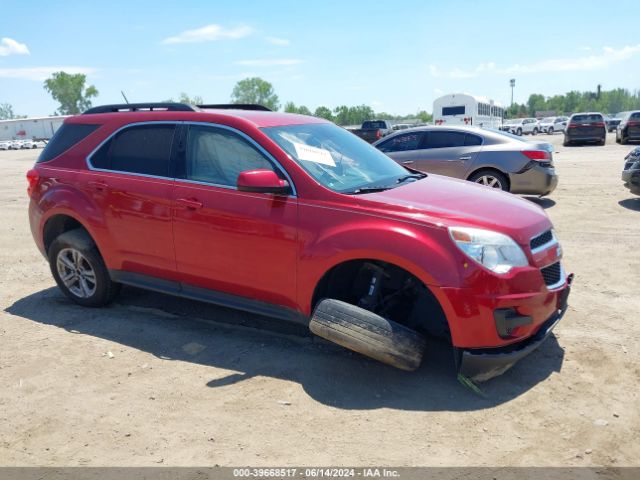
(367,190)
(417,176)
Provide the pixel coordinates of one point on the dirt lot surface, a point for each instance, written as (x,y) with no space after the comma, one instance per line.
(154,380)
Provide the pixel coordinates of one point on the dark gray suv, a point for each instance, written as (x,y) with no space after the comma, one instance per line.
(489,157)
(631,172)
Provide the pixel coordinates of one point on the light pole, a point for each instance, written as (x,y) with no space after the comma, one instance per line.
(512,82)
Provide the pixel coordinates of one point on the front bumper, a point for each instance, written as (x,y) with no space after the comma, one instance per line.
(481,364)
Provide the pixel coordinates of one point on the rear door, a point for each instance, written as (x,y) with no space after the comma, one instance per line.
(403,148)
(226,240)
(447,152)
(131,182)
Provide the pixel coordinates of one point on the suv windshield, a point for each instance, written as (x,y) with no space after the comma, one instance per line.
(337,158)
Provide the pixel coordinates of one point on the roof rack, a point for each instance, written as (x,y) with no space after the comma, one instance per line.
(134,107)
(237,106)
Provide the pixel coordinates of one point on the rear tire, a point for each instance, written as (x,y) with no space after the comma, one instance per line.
(491,178)
(367,333)
(519,132)
(623,139)
(79,271)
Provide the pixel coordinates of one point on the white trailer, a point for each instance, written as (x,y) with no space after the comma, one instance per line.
(37,128)
(465,109)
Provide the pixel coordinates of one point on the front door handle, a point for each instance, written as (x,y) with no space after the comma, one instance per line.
(408,162)
(190,203)
(465,157)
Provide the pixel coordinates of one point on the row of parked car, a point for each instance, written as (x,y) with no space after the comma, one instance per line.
(532,126)
(22,144)
(583,127)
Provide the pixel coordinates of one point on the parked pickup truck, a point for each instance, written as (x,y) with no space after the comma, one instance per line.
(373,130)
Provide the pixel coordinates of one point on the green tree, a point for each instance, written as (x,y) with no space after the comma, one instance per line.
(323,112)
(536,103)
(185,98)
(69,90)
(290,107)
(6,111)
(255,90)
(424,116)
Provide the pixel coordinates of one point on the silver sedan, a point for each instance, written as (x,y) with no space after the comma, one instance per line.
(489,157)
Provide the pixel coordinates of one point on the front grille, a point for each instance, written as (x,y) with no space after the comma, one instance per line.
(541,239)
(551,274)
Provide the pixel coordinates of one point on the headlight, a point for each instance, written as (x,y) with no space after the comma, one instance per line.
(495,251)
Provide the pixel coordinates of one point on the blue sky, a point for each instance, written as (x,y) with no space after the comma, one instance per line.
(395,56)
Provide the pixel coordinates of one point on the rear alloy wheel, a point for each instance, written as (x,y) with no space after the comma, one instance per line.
(79,270)
(491,179)
(76,272)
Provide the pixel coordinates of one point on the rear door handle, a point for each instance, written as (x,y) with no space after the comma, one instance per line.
(190,203)
(408,162)
(465,157)
(98,185)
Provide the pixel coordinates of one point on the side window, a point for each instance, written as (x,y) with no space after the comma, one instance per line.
(471,140)
(444,139)
(143,149)
(402,143)
(217,156)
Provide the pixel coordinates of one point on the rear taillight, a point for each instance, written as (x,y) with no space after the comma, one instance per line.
(537,154)
(633,124)
(32,179)
(379,134)
(598,124)
(572,125)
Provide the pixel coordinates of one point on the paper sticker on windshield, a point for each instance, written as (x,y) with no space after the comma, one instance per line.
(313,154)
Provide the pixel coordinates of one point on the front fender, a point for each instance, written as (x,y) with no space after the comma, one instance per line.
(423,251)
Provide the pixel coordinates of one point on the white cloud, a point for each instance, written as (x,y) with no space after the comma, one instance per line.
(41,73)
(600,61)
(268,62)
(282,42)
(8,46)
(209,33)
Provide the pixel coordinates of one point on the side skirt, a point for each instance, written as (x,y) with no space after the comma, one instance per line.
(209,296)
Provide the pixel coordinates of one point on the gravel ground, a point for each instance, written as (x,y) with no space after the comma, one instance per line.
(153,380)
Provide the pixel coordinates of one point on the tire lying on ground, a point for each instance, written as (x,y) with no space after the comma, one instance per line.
(367,333)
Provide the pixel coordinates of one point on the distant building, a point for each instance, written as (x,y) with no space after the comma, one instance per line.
(37,128)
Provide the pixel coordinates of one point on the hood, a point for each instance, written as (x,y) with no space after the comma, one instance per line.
(446,201)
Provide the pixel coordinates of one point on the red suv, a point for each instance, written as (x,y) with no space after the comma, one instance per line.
(293,217)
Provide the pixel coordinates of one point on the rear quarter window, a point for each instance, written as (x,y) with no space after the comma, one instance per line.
(68,135)
(587,118)
(142,149)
